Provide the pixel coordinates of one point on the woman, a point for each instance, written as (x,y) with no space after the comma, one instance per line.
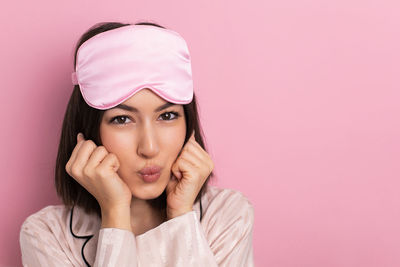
(132,169)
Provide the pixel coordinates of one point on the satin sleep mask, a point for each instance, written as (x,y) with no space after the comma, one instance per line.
(113,65)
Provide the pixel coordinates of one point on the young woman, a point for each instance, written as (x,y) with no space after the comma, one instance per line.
(132,169)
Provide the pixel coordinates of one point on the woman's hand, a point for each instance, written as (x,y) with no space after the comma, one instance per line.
(190,171)
(96,169)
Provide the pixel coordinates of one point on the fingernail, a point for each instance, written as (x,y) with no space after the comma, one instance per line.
(80,135)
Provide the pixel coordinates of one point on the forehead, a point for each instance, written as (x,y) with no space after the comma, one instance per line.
(144,101)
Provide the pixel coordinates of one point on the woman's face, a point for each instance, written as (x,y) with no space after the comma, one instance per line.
(144,138)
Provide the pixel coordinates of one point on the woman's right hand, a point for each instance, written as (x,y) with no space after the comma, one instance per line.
(96,169)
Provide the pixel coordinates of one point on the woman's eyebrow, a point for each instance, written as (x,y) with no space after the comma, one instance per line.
(133,109)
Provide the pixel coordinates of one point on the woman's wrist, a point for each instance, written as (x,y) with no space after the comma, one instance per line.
(117,217)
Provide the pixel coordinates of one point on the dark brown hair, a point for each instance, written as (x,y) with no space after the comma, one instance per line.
(80,117)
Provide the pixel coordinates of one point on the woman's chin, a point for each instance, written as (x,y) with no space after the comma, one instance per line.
(148,191)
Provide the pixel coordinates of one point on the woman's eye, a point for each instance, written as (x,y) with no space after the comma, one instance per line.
(167,116)
(119,119)
(175,115)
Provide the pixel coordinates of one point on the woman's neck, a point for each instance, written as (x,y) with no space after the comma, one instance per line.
(144,217)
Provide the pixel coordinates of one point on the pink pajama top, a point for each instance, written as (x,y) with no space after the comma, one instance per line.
(60,236)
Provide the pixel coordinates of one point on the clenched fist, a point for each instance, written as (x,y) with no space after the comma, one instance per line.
(96,169)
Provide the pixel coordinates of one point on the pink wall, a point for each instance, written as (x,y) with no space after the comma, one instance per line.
(299,102)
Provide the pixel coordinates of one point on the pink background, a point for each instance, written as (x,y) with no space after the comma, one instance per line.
(299,102)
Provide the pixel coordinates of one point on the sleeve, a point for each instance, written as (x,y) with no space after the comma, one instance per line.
(176,242)
(222,239)
(116,247)
(41,247)
(229,223)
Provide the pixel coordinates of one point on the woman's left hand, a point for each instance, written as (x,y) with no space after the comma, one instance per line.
(189,172)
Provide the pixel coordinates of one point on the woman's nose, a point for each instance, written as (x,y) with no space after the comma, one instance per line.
(148,145)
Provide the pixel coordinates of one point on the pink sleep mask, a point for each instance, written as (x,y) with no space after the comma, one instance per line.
(114,65)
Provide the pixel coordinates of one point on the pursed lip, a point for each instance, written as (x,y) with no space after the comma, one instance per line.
(150,170)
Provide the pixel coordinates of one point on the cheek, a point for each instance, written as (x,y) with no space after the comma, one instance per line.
(173,142)
(116,141)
